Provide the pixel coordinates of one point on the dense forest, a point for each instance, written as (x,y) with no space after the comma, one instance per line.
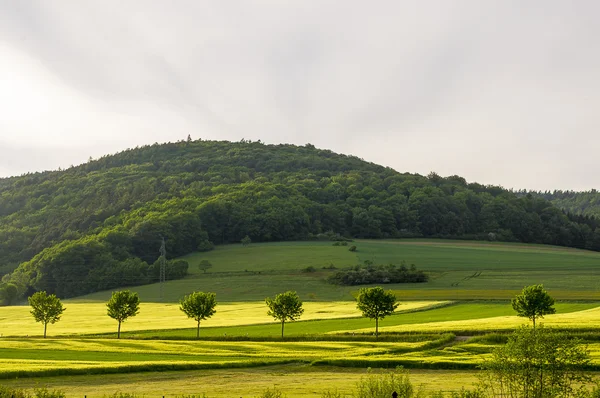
(99,225)
(585,203)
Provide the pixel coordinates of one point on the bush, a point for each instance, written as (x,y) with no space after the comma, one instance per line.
(274,393)
(44,393)
(310,268)
(467,394)
(538,363)
(381,385)
(205,246)
(121,395)
(332,394)
(369,274)
(7,392)
(352,248)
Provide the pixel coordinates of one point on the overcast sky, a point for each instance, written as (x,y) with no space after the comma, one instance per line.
(499,92)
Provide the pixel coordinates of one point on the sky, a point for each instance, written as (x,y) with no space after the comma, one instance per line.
(499,92)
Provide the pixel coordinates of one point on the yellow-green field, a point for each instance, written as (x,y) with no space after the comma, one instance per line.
(296,380)
(241,353)
(91,318)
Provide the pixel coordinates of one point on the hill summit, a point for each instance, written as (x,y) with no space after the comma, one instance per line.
(99,225)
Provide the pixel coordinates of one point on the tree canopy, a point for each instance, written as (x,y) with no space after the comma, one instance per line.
(375,303)
(533,302)
(537,363)
(198,306)
(121,306)
(45,308)
(285,306)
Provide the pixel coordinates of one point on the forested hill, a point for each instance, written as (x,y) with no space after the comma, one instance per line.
(98,225)
(585,203)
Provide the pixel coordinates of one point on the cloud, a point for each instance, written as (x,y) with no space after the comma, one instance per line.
(498,92)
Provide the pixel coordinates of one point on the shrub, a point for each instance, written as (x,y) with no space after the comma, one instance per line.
(310,268)
(467,393)
(369,274)
(332,394)
(352,248)
(7,392)
(44,393)
(205,246)
(274,393)
(121,395)
(380,385)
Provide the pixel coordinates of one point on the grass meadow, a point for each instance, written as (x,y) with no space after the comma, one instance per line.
(241,382)
(90,318)
(459,270)
(240,352)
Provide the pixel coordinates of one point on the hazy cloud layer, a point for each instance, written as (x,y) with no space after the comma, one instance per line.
(500,92)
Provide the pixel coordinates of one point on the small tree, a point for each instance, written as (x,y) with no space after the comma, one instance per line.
(204,265)
(45,308)
(375,303)
(533,302)
(122,305)
(246,240)
(198,306)
(285,306)
(537,363)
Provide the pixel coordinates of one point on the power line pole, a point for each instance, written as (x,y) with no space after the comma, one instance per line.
(162,276)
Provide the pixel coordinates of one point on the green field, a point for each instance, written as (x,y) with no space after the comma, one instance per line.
(459,270)
(468,292)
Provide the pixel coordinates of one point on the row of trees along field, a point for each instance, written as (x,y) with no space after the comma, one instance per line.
(375,303)
(98,225)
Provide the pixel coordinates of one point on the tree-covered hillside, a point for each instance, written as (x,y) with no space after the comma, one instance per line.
(585,203)
(99,225)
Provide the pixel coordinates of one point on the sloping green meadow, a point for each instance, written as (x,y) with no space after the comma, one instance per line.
(459,270)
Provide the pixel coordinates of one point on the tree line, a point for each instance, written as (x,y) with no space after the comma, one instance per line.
(103,221)
(374,303)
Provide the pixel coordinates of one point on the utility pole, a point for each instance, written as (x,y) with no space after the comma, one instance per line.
(162,276)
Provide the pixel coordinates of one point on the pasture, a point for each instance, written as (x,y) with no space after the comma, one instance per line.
(241,382)
(90,318)
(459,270)
(332,344)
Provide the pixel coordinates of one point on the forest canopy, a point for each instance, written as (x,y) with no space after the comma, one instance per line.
(99,225)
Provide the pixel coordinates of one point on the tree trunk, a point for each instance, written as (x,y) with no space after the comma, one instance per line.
(376,328)
(119,331)
(198,331)
(282,323)
(45,326)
